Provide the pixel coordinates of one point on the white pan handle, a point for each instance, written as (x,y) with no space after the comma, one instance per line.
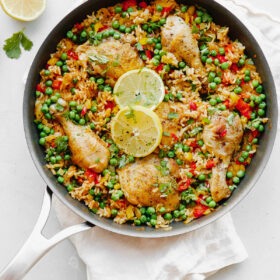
(38,245)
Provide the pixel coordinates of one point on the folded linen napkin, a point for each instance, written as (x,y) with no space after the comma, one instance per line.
(191,256)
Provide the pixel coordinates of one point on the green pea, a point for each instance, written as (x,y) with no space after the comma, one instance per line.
(176,214)
(262,96)
(213,53)
(208,199)
(262,105)
(113,162)
(182,64)
(124,14)
(161,209)
(130,10)
(255,140)
(137,222)
(166,68)
(245,154)
(255,83)
(64,56)
(217,80)
(213,85)
(224,65)
(153,222)
(238,81)
(158,46)
(98,36)
(168,216)
(240,173)
(127,30)
(67,157)
(261,128)
(156,62)
(114,212)
(241,159)
(65,68)
(212,102)
(83,34)
(72,115)
(145,26)
(183,9)
(258,100)
(82,121)
(47,72)
(171,154)
(203,58)
(212,204)
(60,179)
(197,20)
(42,141)
(216,62)
(221,51)
(59,63)
(259,89)
(182,207)
(229,174)
(261,112)
(49,91)
(201,177)
(186,148)
(69,34)
(247,78)
(118,9)
(241,61)
(100,81)
(70,187)
(237,90)
(48,102)
(209,60)
(236,180)
(151,210)
(211,76)
(122,28)
(222,107)
(159,8)
(189,175)
(200,142)
(162,21)
(117,36)
(143,219)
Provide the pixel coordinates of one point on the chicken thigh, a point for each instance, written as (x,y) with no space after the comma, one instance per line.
(88,150)
(222,138)
(112,58)
(177,38)
(145,184)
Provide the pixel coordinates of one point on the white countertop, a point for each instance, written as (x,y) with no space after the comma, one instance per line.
(257,217)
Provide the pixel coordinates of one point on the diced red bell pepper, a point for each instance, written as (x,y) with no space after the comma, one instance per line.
(47,66)
(244,108)
(78,26)
(53,145)
(199,209)
(221,58)
(184,185)
(72,54)
(159,68)
(148,54)
(175,138)
(226,103)
(195,16)
(223,133)
(210,164)
(194,144)
(166,10)
(129,3)
(193,105)
(193,165)
(56,84)
(84,111)
(39,88)
(110,104)
(102,28)
(234,67)
(91,175)
(143,5)
(166,92)
(242,82)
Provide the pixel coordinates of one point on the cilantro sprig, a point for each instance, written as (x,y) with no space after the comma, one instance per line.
(13,44)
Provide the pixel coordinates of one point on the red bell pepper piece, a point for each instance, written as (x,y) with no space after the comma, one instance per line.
(39,88)
(78,26)
(72,54)
(223,133)
(102,28)
(129,3)
(244,108)
(226,103)
(84,111)
(166,92)
(53,145)
(193,165)
(175,138)
(56,84)
(110,104)
(210,164)
(159,68)
(221,58)
(166,10)
(199,209)
(143,5)
(91,175)
(193,105)
(148,54)
(234,67)
(184,185)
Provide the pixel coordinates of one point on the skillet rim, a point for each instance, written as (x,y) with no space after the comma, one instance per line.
(79,208)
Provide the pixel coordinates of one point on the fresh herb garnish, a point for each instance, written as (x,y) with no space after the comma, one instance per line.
(100,59)
(12,44)
(61,144)
(172,115)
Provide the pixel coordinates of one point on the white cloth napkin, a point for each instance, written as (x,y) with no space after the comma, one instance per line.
(191,256)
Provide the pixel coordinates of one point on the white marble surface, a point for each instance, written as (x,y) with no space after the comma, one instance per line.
(256,217)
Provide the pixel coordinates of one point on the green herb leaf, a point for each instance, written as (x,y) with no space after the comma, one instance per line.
(12,44)
(139,47)
(172,115)
(195,29)
(195,131)
(100,59)
(61,144)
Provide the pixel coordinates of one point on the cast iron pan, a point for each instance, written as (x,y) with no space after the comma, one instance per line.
(237,31)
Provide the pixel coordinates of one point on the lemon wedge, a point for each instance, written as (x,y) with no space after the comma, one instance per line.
(139,87)
(136,130)
(24,10)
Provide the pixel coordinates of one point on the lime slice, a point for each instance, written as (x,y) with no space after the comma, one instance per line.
(139,87)
(24,10)
(136,130)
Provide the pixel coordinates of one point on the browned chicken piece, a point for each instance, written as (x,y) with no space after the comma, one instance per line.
(88,150)
(144,183)
(170,126)
(113,58)
(222,138)
(177,37)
